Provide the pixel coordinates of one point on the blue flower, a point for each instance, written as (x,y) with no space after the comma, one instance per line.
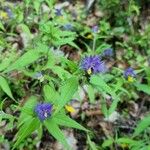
(67,26)
(58,12)
(9,12)
(39,76)
(108,52)
(95,29)
(93,64)
(129,74)
(43,111)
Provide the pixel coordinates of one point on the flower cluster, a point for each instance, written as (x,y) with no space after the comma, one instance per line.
(129,74)
(93,64)
(43,111)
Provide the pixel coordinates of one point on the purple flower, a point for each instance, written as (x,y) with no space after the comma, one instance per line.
(58,12)
(43,111)
(95,29)
(129,72)
(93,64)
(108,52)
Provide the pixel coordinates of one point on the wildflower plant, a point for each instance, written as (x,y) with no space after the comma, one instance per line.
(46,59)
(49,114)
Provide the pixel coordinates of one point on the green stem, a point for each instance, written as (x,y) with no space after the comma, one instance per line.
(94,42)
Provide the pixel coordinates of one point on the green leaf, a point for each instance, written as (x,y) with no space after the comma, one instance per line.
(104,108)
(50,3)
(50,94)
(26,59)
(24,29)
(143,87)
(7,61)
(71,65)
(132,144)
(19,17)
(5,87)
(102,47)
(51,60)
(102,86)
(67,91)
(10,124)
(108,142)
(27,111)
(2,26)
(113,105)
(92,144)
(30,103)
(74,45)
(118,85)
(142,125)
(100,83)
(118,30)
(64,120)
(36,5)
(64,41)
(125,141)
(91,93)
(54,130)
(26,129)
(63,74)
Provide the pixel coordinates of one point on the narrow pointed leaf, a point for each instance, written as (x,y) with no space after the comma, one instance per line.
(26,59)
(50,94)
(64,120)
(5,87)
(102,86)
(142,125)
(143,87)
(54,130)
(67,92)
(25,130)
